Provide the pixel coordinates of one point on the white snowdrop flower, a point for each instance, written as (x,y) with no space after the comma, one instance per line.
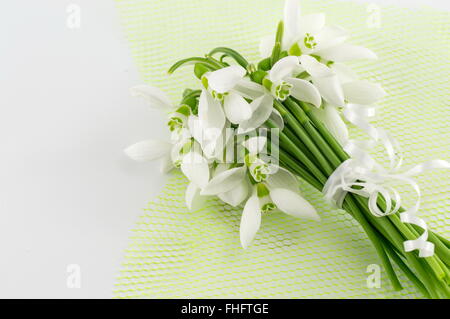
(278,192)
(196,168)
(262,110)
(308,34)
(167,151)
(229,86)
(236,195)
(280,83)
(317,47)
(224,181)
(324,79)
(149,150)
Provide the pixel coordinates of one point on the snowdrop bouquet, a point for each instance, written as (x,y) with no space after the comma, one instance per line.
(250,131)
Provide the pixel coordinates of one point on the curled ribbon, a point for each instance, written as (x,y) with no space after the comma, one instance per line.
(372,179)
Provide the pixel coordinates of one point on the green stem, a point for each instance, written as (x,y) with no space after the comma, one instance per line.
(291,135)
(189,61)
(408,272)
(350,205)
(334,144)
(303,136)
(316,137)
(391,232)
(289,145)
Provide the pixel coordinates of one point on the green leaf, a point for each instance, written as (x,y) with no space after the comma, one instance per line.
(280,31)
(275,53)
(264,64)
(236,56)
(258,76)
(190,61)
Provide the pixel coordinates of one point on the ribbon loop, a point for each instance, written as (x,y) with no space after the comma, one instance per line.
(363,176)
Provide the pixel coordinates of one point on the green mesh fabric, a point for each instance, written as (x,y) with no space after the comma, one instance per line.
(176,253)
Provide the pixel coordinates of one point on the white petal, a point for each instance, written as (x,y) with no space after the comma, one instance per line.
(345,52)
(148,150)
(344,72)
(330,89)
(224,144)
(293,204)
(225,181)
(333,121)
(230,154)
(329,36)
(255,144)
(195,128)
(284,67)
(211,147)
(314,67)
(363,92)
(312,23)
(277,119)
(292,17)
(249,89)
(250,221)
(154,96)
(305,91)
(192,196)
(236,195)
(220,168)
(282,178)
(166,164)
(237,109)
(262,108)
(211,116)
(175,151)
(196,168)
(266,46)
(225,79)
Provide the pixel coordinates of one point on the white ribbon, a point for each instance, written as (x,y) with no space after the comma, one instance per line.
(372,179)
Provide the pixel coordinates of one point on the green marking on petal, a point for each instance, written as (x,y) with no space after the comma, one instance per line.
(268,207)
(309,42)
(282,90)
(259,172)
(175,123)
(177,164)
(219,96)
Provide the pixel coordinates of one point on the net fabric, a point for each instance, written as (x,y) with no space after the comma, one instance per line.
(174,253)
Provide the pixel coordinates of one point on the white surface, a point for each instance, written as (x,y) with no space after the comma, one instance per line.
(67,193)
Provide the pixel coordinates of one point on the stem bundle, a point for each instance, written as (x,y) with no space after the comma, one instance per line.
(308,150)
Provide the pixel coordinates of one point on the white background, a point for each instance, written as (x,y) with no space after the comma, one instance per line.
(68,195)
